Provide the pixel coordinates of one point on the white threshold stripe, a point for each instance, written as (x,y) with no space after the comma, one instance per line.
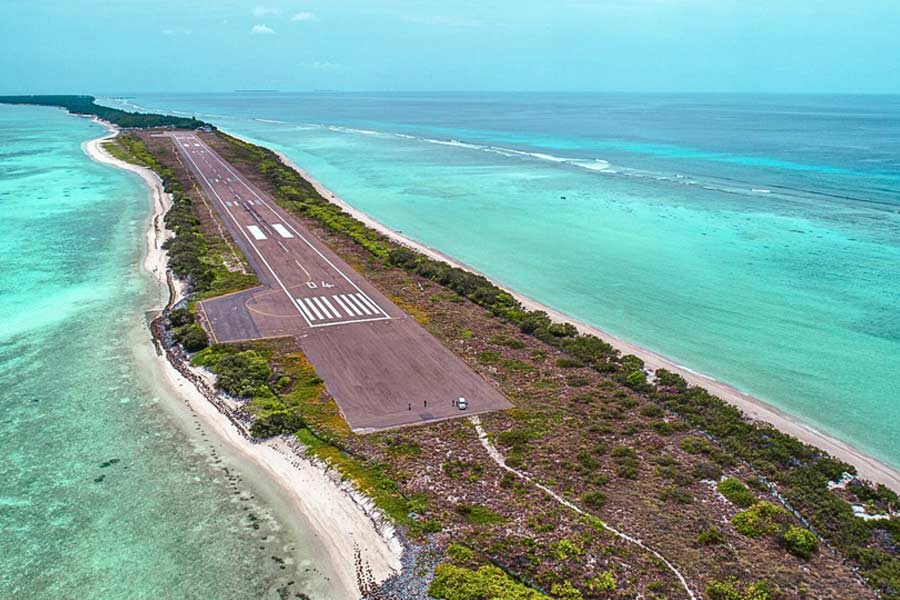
(228,169)
(355,310)
(368,302)
(362,306)
(344,306)
(244,233)
(282,231)
(260,201)
(324,310)
(305,312)
(331,307)
(257,232)
(312,307)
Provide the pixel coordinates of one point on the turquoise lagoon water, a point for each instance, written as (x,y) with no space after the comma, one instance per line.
(752,238)
(102,495)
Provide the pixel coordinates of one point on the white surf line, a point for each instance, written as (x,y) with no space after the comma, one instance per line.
(344,306)
(247,237)
(362,306)
(497,457)
(368,301)
(330,307)
(312,307)
(288,224)
(325,311)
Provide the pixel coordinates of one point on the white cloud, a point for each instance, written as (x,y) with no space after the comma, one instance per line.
(262,11)
(303,16)
(262,30)
(176,31)
(442,20)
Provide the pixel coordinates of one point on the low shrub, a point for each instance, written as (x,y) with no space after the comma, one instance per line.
(710,536)
(732,589)
(595,500)
(763,518)
(799,541)
(478,515)
(568,363)
(736,492)
(488,582)
(191,336)
(278,422)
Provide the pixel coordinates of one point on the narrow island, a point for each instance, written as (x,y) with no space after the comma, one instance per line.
(602,477)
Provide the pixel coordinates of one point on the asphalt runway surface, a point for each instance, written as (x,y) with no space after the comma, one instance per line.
(383,369)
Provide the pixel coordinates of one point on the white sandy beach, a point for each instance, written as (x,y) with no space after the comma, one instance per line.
(868,467)
(343,519)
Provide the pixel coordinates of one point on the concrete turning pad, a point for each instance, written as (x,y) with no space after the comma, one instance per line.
(394,373)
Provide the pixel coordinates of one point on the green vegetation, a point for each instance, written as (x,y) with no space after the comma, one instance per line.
(86,105)
(763,518)
(604,582)
(732,589)
(595,500)
(478,515)
(370,477)
(710,536)
(193,256)
(485,583)
(800,471)
(799,541)
(243,374)
(767,519)
(736,492)
(192,337)
(467,577)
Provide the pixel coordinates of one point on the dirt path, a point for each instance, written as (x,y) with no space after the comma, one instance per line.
(497,457)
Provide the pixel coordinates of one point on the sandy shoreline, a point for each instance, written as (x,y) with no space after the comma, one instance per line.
(343,519)
(868,467)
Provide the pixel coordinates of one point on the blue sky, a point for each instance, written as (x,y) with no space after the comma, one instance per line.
(109,46)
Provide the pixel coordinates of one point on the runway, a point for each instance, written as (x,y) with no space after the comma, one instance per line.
(383,369)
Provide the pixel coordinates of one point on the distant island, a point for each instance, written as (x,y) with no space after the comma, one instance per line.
(87,105)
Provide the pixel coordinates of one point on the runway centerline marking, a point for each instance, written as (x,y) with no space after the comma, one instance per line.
(260,201)
(247,237)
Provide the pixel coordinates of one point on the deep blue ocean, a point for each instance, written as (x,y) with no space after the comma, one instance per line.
(752,238)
